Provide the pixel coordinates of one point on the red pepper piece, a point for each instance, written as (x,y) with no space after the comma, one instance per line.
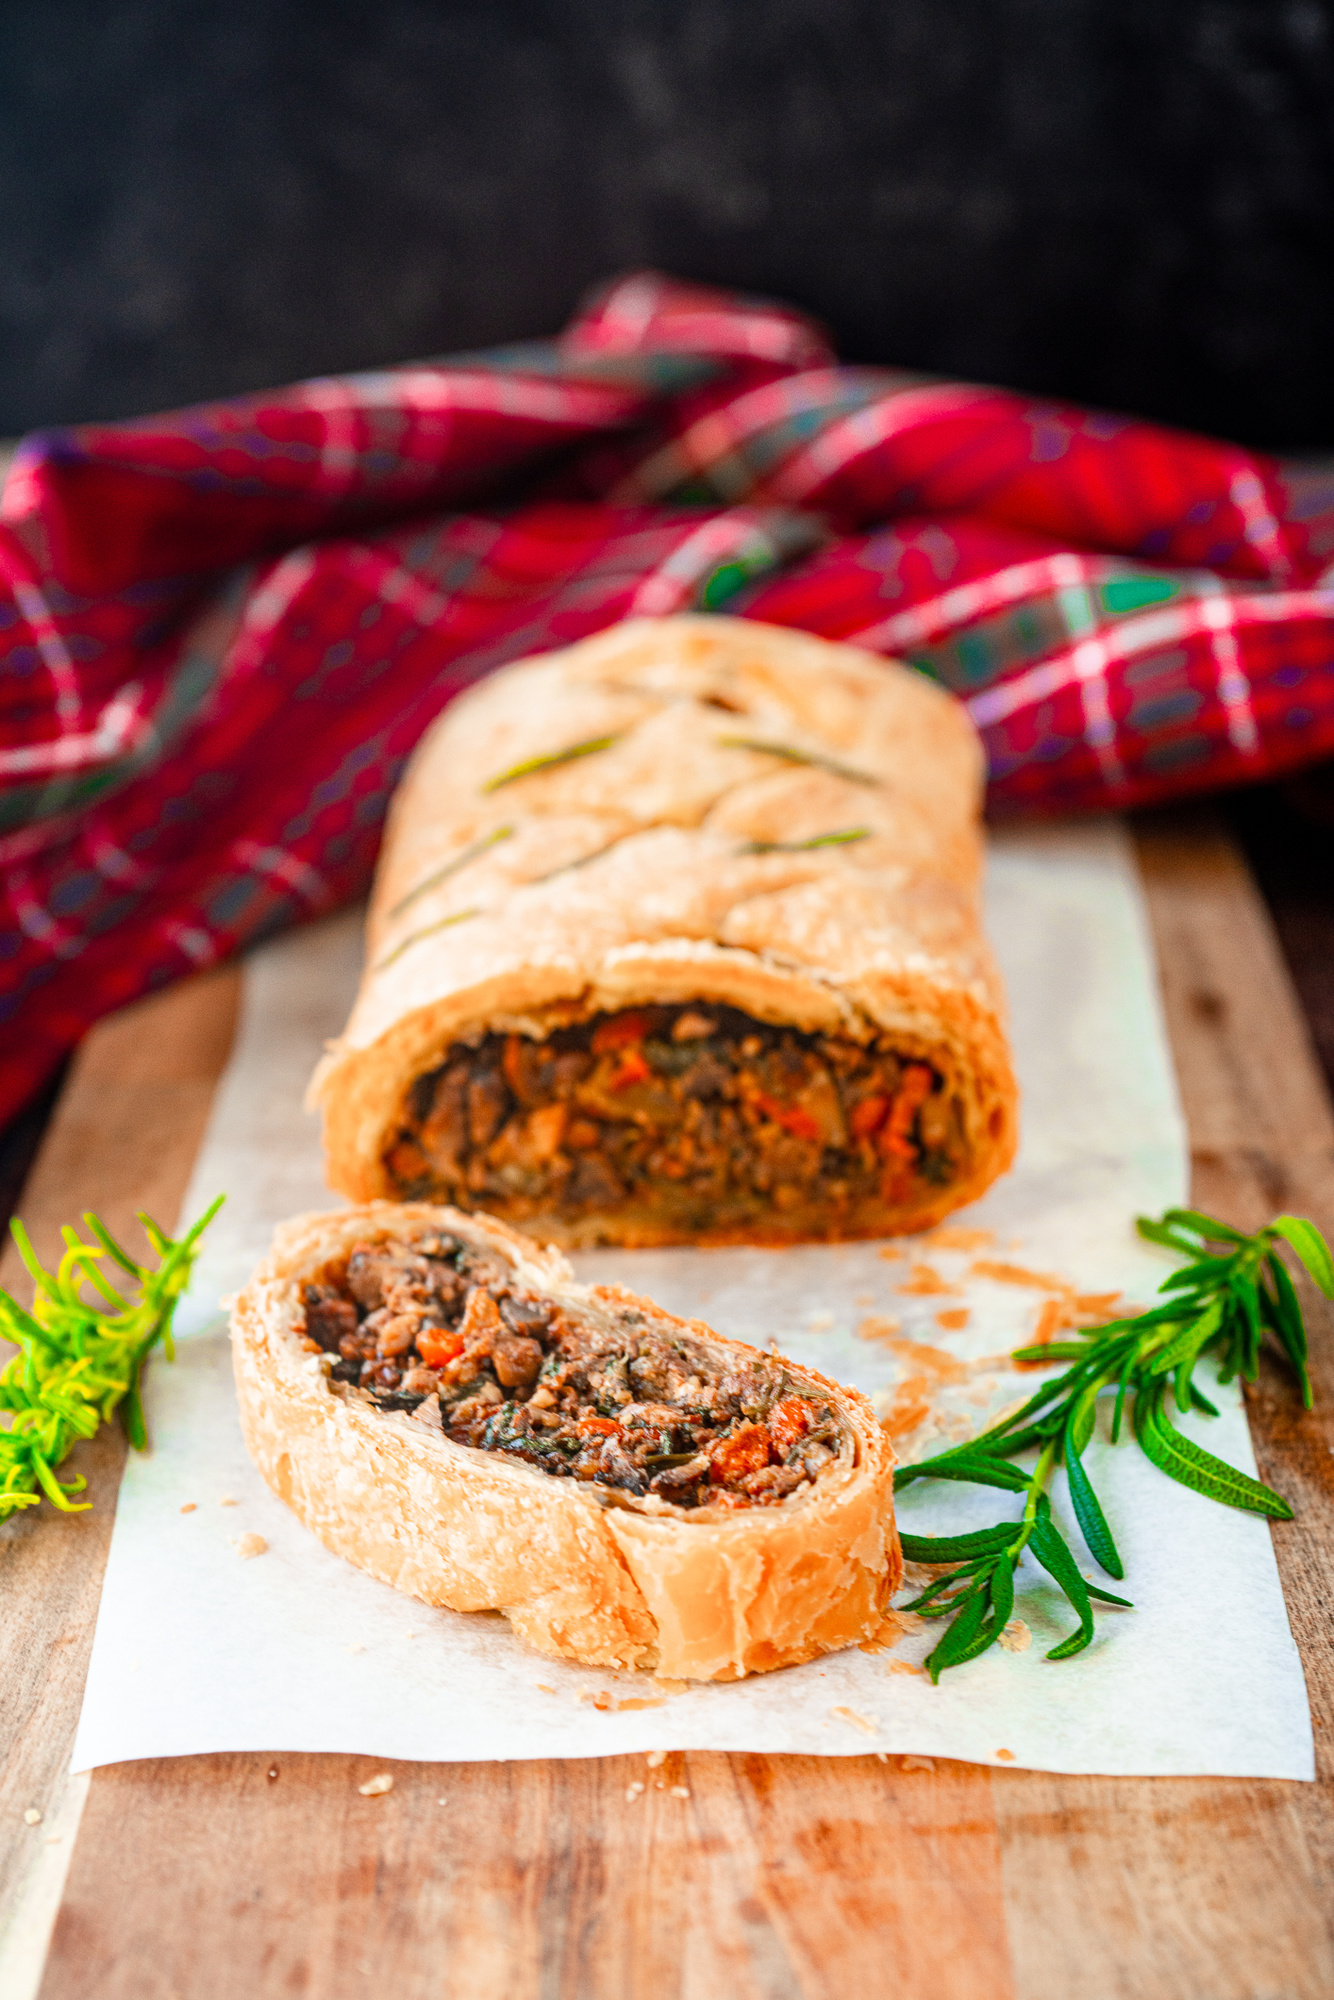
(788,1421)
(747,1450)
(868,1116)
(437,1347)
(911,1096)
(619,1031)
(633,1069)
(790,1116)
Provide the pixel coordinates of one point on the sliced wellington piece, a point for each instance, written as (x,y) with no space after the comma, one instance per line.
(446,1407)
(676,938)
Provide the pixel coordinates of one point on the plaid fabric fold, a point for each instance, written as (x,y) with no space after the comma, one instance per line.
(223,630)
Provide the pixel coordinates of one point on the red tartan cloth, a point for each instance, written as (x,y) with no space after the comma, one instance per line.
(223,630)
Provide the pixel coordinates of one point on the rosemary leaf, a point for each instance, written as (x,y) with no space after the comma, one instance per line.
(956,1646)
(551,759)
(955,1548)
(791,755)
(1310,1246)
(843,838)
(427,930)
(1088,1510)
(1049,1546)
(1183,1460)
(461,860)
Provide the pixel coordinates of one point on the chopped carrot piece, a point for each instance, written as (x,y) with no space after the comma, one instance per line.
(911,1096)
(868,1116)
(512,1064)
(597,1426)
(618,1031)
(437,1346)
(790,1116)
(546,1128)
(633,1069)
(788,1421)
(747,1450)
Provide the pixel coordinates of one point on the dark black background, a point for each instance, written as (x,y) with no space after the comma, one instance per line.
(1130,202)
(1126,201)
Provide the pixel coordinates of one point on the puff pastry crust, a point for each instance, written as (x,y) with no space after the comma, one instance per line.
(581,1572)
(639,819)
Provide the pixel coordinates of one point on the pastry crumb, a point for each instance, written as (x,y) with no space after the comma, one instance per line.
(375,1788)
(904,1667)
(862,1722)
(953,1236)
(250,1545)
(889,1252)
(878,1327)
(190,1507)
(887,1634)
(228,1501)
(32,1817)
(643,1701)
(954,1320)
(599,1697)
(1016,1638)
(656,1759)
(542,1688)
(925,1282)
(1006,1756)
(1018,1274)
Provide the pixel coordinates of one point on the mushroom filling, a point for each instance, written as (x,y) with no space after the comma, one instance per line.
(694,1117)
(438,1328)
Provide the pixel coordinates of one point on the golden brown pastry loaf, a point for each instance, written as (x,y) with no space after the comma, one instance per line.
(676,938)
(766,1569)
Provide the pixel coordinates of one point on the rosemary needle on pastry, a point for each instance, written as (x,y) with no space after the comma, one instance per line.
(1232,1291)
(79,1360)
(845,837)
(791,755)
(550,759)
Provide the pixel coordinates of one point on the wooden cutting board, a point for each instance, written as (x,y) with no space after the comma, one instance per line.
(208,1878)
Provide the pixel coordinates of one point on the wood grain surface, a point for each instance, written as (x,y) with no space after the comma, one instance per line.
(123,1138)
(773,1878)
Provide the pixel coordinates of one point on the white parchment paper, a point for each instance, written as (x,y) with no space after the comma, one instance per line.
(197,1649)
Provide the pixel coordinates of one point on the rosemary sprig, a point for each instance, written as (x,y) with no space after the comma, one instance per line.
(791,755)
(1233,1290)
(80,1360)
(460,860)
(843,838)
(551,759)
